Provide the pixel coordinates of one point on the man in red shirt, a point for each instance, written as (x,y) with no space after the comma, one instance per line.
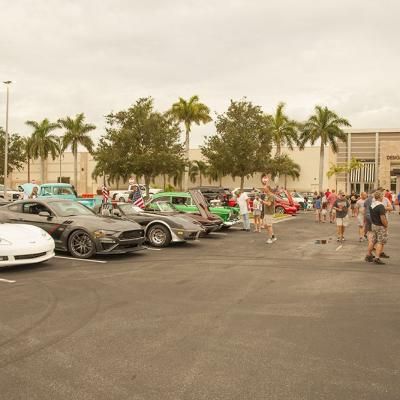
(328,193)
(388,195)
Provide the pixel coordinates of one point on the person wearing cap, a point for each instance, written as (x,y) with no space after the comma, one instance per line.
(341,206)
(269,210)
(377,237)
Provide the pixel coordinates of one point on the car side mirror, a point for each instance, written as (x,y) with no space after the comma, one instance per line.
(44,214)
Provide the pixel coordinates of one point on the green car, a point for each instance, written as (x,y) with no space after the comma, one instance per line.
(194,202)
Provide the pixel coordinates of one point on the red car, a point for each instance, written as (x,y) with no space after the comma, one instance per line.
(284,203)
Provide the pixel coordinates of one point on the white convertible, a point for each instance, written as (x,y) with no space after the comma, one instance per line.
(24,244)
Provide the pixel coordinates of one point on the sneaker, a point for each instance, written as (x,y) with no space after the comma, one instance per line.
(269,241)
(378,261)
(383,255)
(343,239)
(369,258)
(274,239)
(338,239)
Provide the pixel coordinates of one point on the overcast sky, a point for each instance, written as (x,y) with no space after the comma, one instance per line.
(100,56)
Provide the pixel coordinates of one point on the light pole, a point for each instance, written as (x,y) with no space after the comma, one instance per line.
(7,83)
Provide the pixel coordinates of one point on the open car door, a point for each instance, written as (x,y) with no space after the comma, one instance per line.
(201,204)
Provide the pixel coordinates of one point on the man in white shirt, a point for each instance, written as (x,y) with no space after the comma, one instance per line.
(243,203)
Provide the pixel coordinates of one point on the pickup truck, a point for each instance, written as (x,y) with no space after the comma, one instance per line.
(123,194)
(61,191)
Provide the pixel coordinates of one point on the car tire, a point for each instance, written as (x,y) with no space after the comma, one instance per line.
(279,210)
(158,236)
(81,245)
(121,199)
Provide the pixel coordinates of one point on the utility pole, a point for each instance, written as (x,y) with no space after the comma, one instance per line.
(7,83)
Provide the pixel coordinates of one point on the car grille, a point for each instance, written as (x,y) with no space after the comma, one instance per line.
(28,256)
(15,196)
(131,234)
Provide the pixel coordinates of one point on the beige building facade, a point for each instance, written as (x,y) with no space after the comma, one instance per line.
(379,152)
(377,149)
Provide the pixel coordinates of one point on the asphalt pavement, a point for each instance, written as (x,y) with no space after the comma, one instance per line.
(227,317)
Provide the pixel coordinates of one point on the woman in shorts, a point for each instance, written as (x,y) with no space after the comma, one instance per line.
(257,208)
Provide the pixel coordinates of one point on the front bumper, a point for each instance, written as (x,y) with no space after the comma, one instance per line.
(182,235)
(36,253)
(232,222)
(113,245)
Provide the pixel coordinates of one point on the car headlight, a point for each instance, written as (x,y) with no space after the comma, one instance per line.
(45,235)
(4,242)
(101,233)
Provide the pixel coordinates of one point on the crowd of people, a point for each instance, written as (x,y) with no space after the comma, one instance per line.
(371,211)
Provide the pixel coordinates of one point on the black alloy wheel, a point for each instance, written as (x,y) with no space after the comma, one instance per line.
(81,245)
(158,236)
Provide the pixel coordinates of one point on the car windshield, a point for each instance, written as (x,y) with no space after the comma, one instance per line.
(129,209)
(69,208)
(162,206)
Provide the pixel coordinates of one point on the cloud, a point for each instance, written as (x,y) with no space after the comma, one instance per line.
(94,57)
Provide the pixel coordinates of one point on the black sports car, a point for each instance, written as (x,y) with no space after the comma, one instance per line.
(76,228)
(160,230)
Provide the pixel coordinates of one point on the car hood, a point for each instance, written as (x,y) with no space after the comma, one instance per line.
(107,223)
(20,232)
(201,203)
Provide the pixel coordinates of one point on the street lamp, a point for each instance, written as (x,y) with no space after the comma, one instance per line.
(7,83)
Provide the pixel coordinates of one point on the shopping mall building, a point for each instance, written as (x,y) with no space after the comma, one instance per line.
(377,149)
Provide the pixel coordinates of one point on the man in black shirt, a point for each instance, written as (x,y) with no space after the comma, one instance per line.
(377,237)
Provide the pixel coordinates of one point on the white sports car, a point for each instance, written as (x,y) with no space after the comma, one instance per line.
(24,244)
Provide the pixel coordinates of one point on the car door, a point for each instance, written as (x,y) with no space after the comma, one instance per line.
(30,215)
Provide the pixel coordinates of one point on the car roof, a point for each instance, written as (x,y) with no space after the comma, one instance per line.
(182,194)
(57,184)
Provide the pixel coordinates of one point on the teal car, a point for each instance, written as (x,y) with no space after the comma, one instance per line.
(64,191)
(194,202)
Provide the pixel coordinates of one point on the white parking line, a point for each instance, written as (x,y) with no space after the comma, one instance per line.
(151,248)
(82,259)
(218,233)
(339,247)
(7,281)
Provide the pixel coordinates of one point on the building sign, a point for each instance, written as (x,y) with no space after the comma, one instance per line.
(393,157)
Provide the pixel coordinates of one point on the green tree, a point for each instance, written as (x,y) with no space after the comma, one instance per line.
(189,112)
(336,170)
(76,134)
(15,157)
(242,144)
(149,140)
(202,168)
(60,153)
(283,165)
(27,152)
(284,131)
(43,143)
(324,126)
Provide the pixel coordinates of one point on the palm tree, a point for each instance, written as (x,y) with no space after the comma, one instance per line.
(27,149)
(336,170)
(202,169)
(43,143)
(283,165)
(325,126)
(76,135)
(189,112)
(60,152)
(284,131)
(193,171)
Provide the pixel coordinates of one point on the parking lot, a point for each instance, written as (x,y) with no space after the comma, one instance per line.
(226,317)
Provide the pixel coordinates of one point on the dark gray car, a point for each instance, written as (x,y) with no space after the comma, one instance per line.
(160,230)
(76,228)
